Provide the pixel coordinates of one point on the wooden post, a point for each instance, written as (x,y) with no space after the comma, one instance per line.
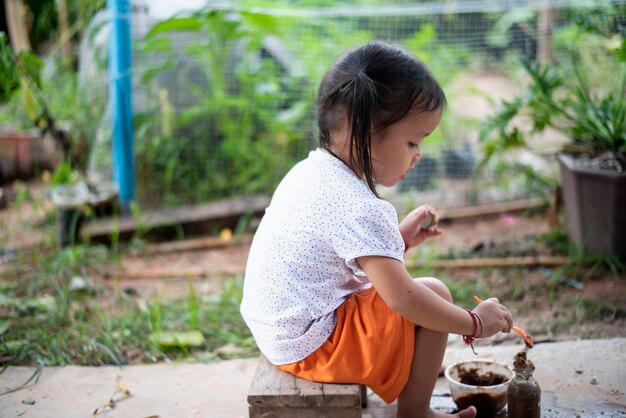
(545,22)
(64,29)
(16,22)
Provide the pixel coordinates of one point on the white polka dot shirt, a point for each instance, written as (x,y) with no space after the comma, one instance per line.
(302,263)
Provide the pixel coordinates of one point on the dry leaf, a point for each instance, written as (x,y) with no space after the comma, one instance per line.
(111,404)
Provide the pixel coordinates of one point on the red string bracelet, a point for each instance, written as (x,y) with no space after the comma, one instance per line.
(469,339)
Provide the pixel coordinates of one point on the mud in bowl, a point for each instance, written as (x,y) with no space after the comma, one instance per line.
(482,383)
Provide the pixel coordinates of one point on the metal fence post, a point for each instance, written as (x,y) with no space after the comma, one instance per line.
(120,90)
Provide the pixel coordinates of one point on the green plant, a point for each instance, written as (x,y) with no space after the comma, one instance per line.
(51,100)
(9,72)
(29,102)
(63,174)
(239,127)
(446,62)
(563,98)
(19,72)
(44,321)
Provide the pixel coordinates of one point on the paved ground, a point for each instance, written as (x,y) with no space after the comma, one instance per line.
(578,378)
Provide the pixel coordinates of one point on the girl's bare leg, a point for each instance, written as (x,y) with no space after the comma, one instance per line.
(430,346)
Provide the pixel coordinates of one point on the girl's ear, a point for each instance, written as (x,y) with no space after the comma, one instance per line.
(377,132)
(340,140)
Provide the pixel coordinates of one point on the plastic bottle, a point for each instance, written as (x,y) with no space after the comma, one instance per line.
(523,392)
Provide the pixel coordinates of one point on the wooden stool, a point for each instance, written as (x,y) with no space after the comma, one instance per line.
(277,394)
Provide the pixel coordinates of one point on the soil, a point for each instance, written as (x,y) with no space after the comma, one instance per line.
(487,404)
(523,364)
(474,378)
(523,393)
(608,160)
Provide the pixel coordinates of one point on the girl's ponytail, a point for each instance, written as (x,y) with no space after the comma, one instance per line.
(370,88)
(362,108)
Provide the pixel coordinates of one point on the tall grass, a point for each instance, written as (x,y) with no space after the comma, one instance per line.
(51,313)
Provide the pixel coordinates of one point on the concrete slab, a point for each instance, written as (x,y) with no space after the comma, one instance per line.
(585,378)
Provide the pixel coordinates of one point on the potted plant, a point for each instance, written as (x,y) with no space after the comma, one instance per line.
(592,115)
(76,194)
(70,196)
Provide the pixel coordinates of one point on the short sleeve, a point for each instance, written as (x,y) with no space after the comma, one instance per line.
(371,229)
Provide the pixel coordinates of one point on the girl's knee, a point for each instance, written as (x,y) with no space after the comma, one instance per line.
(437,286)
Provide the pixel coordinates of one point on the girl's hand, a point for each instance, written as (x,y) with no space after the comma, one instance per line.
(496,317)
(411,230)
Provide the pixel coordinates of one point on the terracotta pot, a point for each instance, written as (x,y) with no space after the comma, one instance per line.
(15,150)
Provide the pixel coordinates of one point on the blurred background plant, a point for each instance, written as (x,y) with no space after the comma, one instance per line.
(228,118)
(40,82)
(583,101)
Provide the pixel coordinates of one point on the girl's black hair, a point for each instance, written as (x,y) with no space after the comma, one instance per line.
(372,87)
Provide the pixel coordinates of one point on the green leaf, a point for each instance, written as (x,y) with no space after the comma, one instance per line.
(152,72)
(10,347)
(36,374)
(44,303)
(180,338)
(177,24)
(32,65)
(499,36)
(422,38)
(231,350)
(62,174)
(163,45)
(620,53)
(260,21)
(5,324)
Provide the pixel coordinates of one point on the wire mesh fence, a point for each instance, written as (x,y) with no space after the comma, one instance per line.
(224,96)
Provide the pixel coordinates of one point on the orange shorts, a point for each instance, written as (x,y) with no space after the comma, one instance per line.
(370,345)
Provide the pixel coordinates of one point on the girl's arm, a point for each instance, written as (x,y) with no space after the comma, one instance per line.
(422,306)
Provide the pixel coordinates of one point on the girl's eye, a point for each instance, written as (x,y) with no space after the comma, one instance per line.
(413,145)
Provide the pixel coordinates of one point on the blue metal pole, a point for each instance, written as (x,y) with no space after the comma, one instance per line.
(120,92)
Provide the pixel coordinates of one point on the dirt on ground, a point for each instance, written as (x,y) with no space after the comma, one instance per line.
(168,274)
(546,303)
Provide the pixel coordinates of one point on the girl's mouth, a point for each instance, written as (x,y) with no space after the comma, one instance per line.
(403,176)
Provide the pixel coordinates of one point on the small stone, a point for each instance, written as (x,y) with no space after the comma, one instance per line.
(608,160)
(429,221)
(78,283)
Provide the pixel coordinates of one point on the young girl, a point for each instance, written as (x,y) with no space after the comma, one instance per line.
(326,293)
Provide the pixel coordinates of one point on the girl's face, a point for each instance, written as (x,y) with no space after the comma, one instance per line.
(396,149)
